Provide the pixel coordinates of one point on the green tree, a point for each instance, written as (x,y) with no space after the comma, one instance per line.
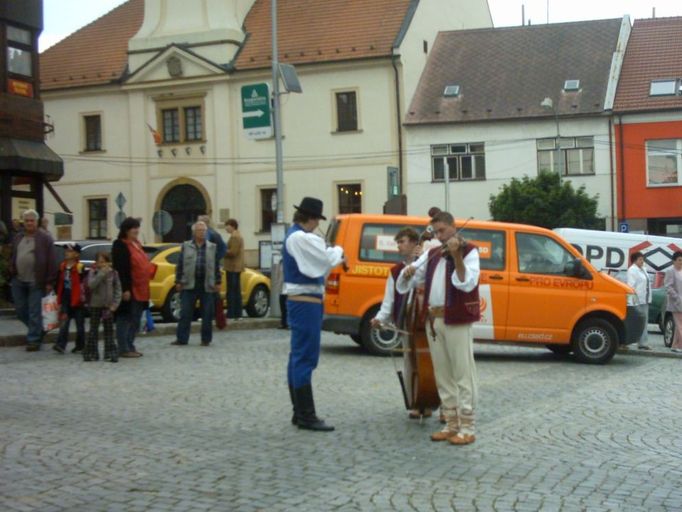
(545,201)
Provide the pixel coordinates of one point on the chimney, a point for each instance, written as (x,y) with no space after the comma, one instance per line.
(209,28)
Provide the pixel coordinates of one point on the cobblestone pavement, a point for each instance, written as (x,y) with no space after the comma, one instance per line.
(191,428)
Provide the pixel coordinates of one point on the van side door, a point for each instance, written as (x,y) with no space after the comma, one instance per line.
(544,301)
(494,281)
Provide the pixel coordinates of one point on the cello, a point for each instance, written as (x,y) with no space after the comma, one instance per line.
(417,378)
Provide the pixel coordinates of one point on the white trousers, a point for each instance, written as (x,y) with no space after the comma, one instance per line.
(452,352)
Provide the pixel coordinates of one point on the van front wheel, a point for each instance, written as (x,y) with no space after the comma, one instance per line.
(594,341)
(376,341)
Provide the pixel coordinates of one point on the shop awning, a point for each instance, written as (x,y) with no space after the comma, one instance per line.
(30,156)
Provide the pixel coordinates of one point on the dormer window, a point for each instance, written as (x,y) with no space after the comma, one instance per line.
(572,85)
(452,91)
(663,87)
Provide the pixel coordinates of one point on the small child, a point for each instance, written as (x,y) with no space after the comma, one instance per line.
(71,298)
(104,296)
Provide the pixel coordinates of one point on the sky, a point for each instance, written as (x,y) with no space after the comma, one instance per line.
(62,17)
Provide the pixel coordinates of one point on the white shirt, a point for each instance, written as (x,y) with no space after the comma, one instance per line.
(386,311)
(472,272)
(314,259)
(638,279)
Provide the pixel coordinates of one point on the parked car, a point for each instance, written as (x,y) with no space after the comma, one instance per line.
(255,286)
(657,313)
(89,249)
(535,287)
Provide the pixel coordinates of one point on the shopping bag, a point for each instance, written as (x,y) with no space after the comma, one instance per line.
(220,320)
(50,312)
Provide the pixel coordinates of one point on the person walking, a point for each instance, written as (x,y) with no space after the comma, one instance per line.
(134,271)
(307,260)
(33,268)
(104,293)
(71,298)
(234,266)
(197,275)
(673,285)
(638,279)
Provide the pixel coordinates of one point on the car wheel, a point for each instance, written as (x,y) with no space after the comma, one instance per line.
(170,312)
(668,330)
(357,338)
(560,350)
(376,341)
(594,341)
(259,302)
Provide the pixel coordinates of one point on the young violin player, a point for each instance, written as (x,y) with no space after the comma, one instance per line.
(307,260)
(450,274)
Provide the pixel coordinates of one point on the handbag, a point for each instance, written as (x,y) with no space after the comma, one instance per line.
(220,320)
(50,312)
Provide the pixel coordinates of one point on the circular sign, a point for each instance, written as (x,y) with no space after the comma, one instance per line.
(119,218)
(162,222)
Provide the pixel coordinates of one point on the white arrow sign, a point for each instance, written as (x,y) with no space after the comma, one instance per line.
(255,113)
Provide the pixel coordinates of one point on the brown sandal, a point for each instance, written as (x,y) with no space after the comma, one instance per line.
(462,439)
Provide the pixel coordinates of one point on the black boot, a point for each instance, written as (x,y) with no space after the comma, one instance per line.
(294,421)
(305,411)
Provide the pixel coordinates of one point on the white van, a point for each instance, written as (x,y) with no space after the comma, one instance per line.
(607,250)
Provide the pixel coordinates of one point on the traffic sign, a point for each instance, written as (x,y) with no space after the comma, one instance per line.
(120,201)
(119,218)
(256,116)
(162,222)
(624,227)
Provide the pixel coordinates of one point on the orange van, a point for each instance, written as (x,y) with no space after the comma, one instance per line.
(535,288)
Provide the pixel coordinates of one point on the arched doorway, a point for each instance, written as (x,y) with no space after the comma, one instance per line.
(185,203)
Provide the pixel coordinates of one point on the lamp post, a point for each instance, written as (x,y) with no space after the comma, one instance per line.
(548,105)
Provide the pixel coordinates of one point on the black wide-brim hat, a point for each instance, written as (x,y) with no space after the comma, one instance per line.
(312,207)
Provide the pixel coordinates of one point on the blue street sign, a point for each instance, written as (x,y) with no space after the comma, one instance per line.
(623,227)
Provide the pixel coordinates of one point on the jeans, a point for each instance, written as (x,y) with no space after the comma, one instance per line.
(234,295)
(305,320)
(77,314)
(28,304)
(644,335)
(188,300)
(128,317)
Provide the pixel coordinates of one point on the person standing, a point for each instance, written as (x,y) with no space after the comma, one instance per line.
(307,260)
(71,298)
(134,270)
(197,275)
(638,279)
(673,285)
(451,305)
(33,268)
(104,290)
(213,236)
(234,266)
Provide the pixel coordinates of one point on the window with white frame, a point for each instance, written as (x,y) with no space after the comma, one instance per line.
(97,218)
(568,156)
(663,162)
(463,162)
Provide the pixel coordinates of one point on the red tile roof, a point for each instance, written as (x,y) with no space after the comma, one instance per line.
(310,31)
(653,53)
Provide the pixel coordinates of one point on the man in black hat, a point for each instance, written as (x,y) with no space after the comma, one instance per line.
(307,260)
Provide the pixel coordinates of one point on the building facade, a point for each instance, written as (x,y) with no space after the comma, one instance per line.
(503,103)
(174,71)
(648,129)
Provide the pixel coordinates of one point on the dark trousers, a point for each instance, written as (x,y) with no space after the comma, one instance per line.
(305,321)
(29,306)
(71,313)
(234,295)
(284,321)
(128,317)
(91,350)
(188,300)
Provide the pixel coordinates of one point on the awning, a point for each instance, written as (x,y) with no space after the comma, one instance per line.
(30,156)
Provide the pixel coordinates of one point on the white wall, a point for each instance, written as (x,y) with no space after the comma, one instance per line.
(510,152)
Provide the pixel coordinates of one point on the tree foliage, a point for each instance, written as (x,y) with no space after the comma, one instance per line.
(545,201)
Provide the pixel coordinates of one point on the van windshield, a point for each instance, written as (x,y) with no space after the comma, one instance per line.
(539,254)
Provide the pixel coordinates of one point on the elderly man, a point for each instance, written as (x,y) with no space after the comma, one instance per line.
(197,276)
(33,269)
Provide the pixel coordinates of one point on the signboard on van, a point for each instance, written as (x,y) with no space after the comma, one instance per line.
(610,250)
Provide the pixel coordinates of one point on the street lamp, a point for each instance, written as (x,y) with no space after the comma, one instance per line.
(548,105)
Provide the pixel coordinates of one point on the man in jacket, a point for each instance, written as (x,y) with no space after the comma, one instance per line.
(234,266)
(197,275)
(33,269)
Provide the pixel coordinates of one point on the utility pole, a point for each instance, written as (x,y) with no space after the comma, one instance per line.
(279,166)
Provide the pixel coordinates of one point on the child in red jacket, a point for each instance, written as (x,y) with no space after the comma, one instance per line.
(71,298)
